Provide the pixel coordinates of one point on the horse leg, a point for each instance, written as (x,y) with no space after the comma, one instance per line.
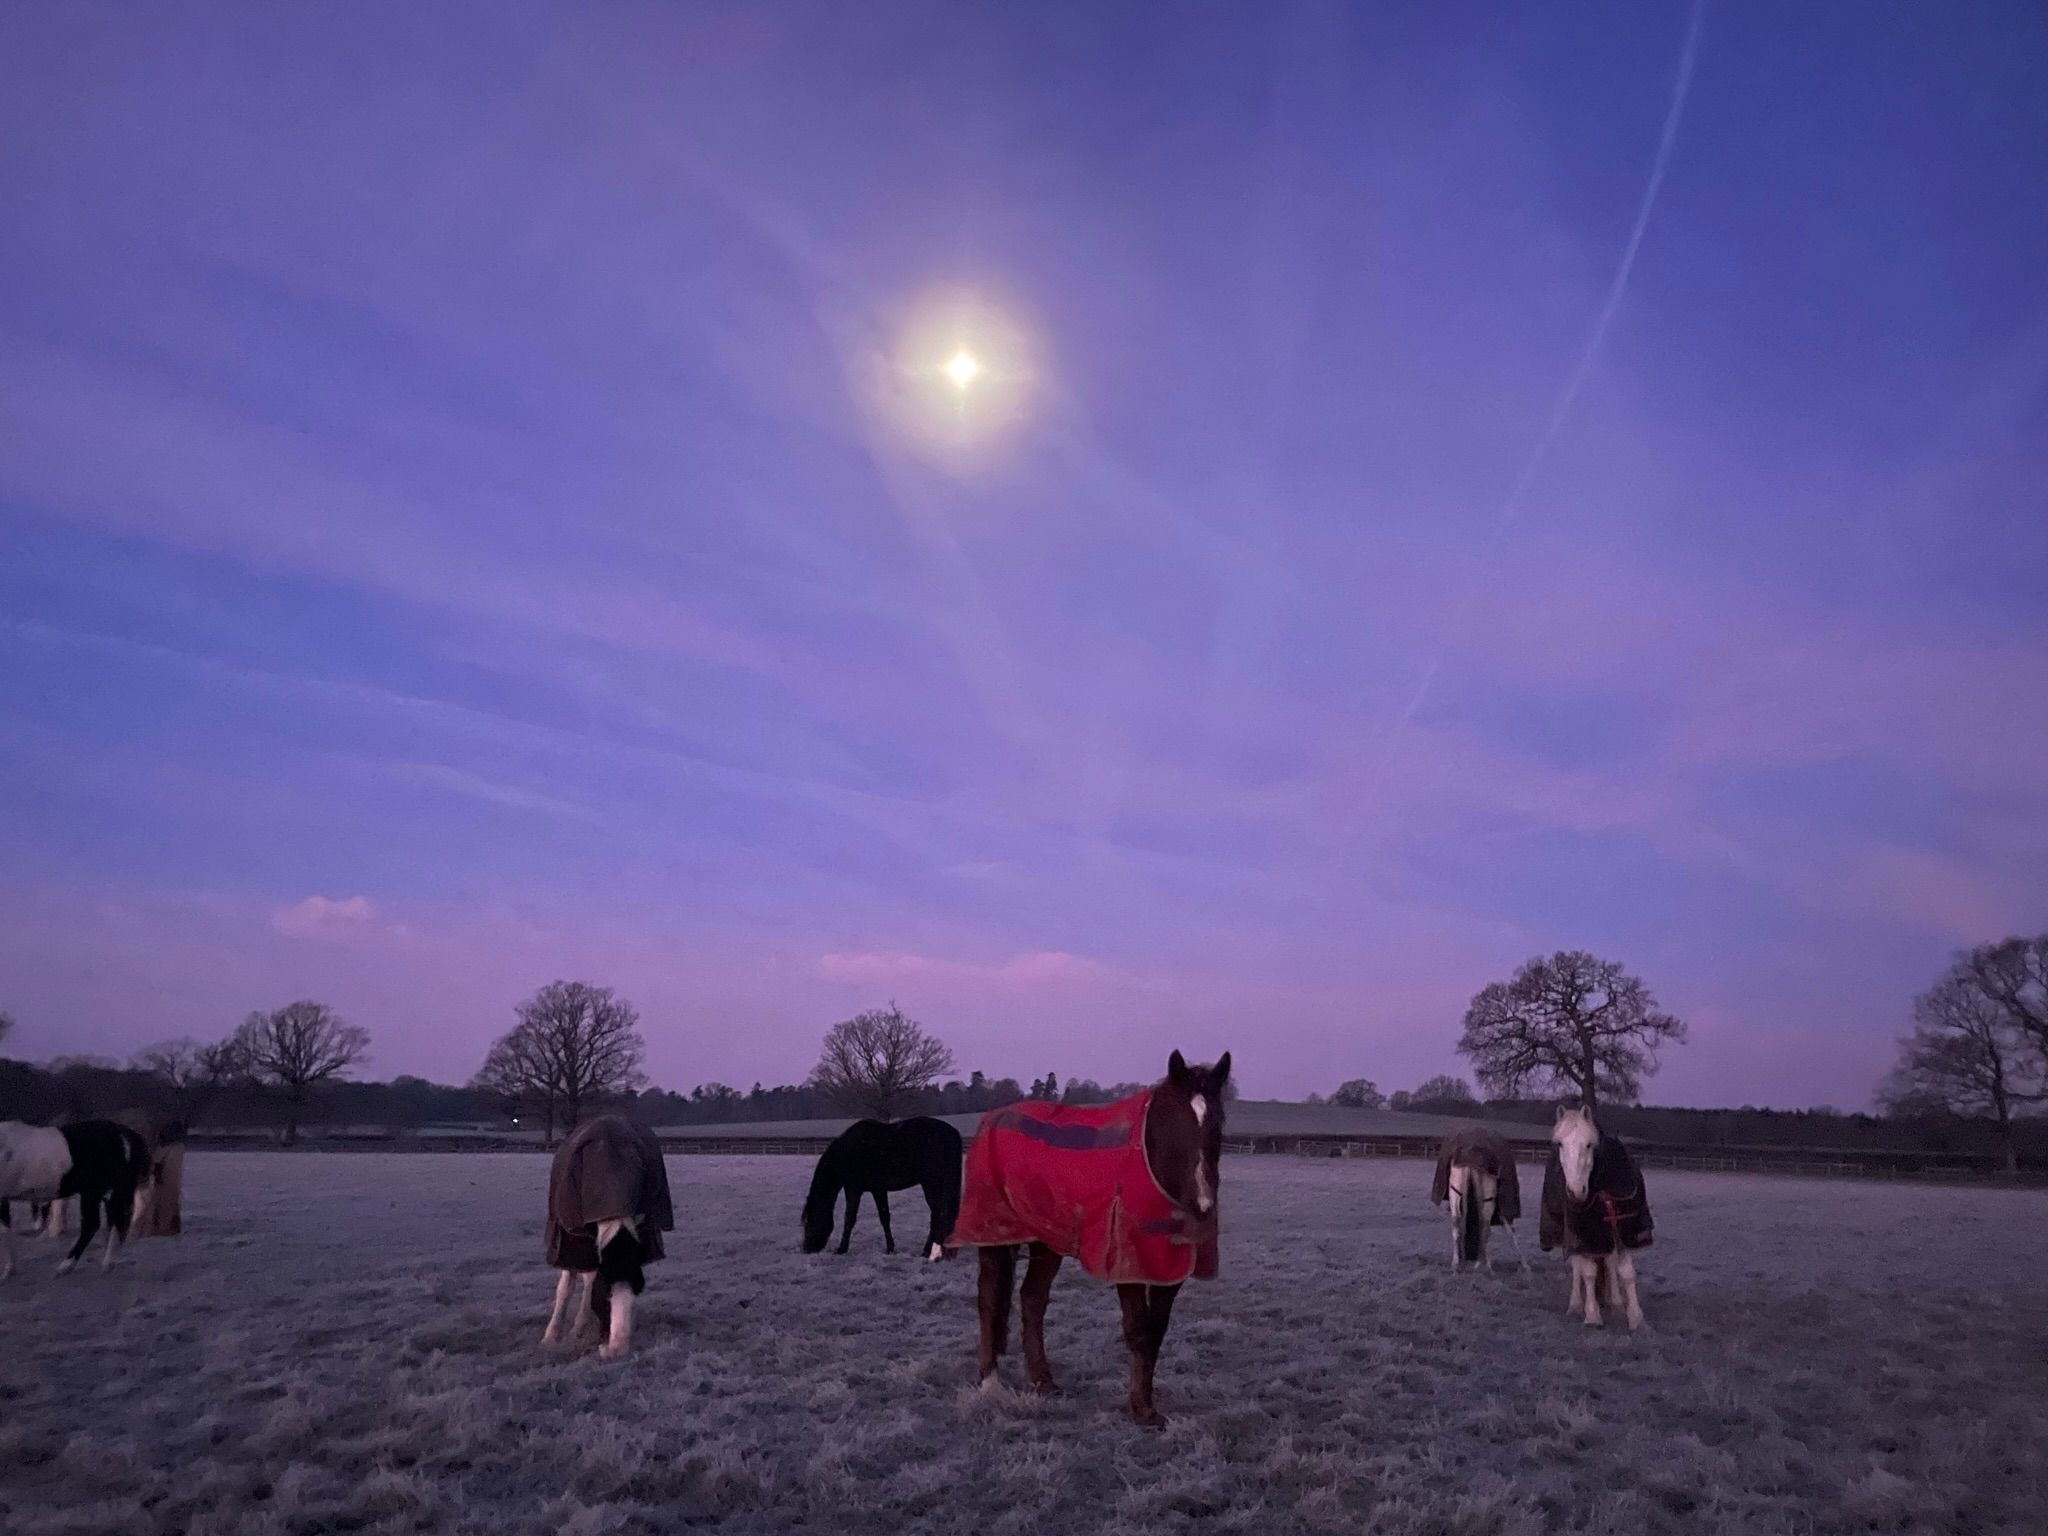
(1037,1290)
(992,1300)
(121,1208)
(622,1323)
(6,1243)
(1162,1299)
(1515,1238)
(88,1225)
(1146,1310)
(852,1210)
(565,1288)
(1586,1276)
(1625,1268)
(1572,1303)
(1610,1279)
(586,1312)
(934,1248)
(882,1210)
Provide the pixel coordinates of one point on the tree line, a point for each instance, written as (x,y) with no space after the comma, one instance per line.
(1564,1025)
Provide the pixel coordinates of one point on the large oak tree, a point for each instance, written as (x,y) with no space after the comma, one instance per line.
(297,1047)
(874,1061)
(1567,1023)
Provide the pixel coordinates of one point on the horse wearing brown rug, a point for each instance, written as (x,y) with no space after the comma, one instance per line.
(608,1204)
(163,1213)
(1127,1188)
(1476,1176)
(1595,1207)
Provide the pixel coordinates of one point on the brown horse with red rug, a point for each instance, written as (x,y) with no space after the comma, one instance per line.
(1127,1188)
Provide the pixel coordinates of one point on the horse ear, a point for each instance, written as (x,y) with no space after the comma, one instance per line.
(1176,1068)
(1563,1111)
(1221,1073)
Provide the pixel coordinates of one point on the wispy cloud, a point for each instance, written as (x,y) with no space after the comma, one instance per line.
(330,919)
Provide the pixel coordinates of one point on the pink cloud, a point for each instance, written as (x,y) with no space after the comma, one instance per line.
(327,918)
(1934,895)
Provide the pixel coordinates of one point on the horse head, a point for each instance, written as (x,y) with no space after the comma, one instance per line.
(1576,1137)
(1184,1133)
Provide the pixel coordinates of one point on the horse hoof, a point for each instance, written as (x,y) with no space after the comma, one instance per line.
(1150,1419)
(67,1266)
(988,1383)
(1046,1388)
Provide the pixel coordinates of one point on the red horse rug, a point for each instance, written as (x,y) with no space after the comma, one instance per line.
(1076,1179)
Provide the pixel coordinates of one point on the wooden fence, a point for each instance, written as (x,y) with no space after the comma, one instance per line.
(1788,1162)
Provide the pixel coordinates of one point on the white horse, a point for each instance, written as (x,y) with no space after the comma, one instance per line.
(105,1165)
(1596,1207)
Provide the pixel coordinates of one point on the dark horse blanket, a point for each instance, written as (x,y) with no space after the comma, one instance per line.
(1076,1180)
(1474,1148)
(1615,1212)
(608,1170)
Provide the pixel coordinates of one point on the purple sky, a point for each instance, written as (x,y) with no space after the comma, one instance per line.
(472,515)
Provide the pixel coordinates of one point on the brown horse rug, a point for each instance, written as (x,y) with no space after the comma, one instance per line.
(1475,1148)
(1075,1179)
(163,1214)
(1614,1214)
(608,1170)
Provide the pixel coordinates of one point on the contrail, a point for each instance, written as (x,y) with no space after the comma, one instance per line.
(1511,508)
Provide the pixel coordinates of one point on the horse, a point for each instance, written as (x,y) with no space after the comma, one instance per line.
(874,1157)
(1128,1188)
(608,1204)
(1476,1176)
(104,1164)
(1596,1207)
(164,1137)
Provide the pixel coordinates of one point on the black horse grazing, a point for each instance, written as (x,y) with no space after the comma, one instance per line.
(104,1164)
(873,1157)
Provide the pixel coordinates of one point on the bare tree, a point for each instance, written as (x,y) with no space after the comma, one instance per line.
(2012,975)
(6,1025)
(1968,1054)
(1444,1089)
(194,1074)
(1569,1022)
(586,1040)
(874,1061)
(295,1048)
(516,1074)
(1358,1093)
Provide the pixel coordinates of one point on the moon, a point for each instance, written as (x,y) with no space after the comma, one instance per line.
(963,368)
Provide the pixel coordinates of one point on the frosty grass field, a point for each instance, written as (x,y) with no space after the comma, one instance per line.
(350,1343)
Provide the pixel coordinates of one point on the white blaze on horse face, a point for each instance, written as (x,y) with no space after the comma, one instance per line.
(1576,1136)
(1205,1196)
(1200,1105)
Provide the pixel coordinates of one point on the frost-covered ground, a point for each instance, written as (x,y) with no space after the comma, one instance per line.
(349,1343)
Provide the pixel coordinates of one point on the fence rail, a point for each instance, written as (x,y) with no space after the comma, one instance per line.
(1735,1160)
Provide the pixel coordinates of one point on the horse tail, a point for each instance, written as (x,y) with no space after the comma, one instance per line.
(1471,1218)
(822,1200)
